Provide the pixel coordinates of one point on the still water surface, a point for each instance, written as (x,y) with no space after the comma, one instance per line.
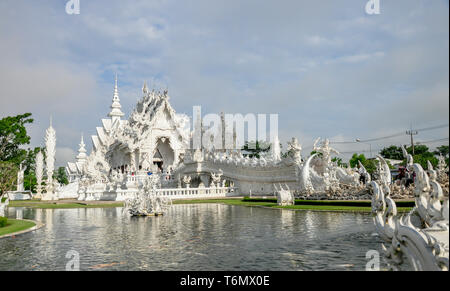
(193,237)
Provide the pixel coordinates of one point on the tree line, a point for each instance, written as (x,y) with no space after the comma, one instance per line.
(422,155)
(13,140)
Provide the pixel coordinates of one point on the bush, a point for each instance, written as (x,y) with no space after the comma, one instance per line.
(3,221)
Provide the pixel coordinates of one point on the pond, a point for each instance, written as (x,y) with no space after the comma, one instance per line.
(192,237)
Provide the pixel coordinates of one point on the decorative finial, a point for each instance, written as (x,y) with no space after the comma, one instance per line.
(81,157)
(145,88)
(116,112)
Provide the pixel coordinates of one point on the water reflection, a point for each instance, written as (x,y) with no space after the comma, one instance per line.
(192,237)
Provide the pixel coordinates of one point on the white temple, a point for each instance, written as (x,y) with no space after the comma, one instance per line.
(156,140)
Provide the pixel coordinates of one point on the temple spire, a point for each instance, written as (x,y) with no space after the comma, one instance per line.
(145,88)
(116,112)
(81,157)
(116,90)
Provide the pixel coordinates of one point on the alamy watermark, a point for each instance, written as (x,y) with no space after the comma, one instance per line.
(373,7)
(73,7)
(230,131)
(374,260)
(74,261)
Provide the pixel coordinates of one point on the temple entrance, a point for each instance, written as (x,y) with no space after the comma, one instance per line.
(158,160)
(159,165)
(164,154)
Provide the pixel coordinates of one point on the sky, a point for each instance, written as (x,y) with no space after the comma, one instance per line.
(327,68)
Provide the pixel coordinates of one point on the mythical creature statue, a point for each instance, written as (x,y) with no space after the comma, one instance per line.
(325,149)
(295,150)
(306,184)
(284,196)
(363,172)
(425,246)
(215,177)
(384,172)
(343,177)
(146,201)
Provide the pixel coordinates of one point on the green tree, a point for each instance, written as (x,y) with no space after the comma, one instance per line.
(8,177)
(355,158)
(419,150)
(339,162)
(318,154)
(30,181)
(392,152)
(254,149)
(421,155)
(370,165)
(61,176)
(13,134)
(442,150)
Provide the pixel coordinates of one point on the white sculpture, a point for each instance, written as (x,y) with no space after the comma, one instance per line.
(307,185)
(325,149)
(20,193)
(442,166)
(187,181)
(442,174)
(295,150)
(50,151)
(39,174)
(425,246)
(363,172)
(383,171)
(284,196)
(20,177)
(408,157)
(146,202)
(276,151)
(215,177)
(3,206)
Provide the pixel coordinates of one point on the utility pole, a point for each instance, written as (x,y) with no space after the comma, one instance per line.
(411,133)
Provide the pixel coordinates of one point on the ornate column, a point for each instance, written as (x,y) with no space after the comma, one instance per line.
(132,161)
(50,151)
(39,173)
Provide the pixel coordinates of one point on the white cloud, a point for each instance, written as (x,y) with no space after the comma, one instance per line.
(326,67)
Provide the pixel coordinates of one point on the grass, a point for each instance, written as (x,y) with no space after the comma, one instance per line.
(15,225)
(319,205)
(47,205)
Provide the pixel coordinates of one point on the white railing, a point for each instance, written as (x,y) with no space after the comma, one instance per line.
(142,177)
(173,193)
(178,193)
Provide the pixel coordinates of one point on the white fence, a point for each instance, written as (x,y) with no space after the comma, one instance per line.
(173,193)
(180,193)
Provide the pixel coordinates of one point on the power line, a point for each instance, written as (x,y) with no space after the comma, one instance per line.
(392,135)
(432,141)
(433,127)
